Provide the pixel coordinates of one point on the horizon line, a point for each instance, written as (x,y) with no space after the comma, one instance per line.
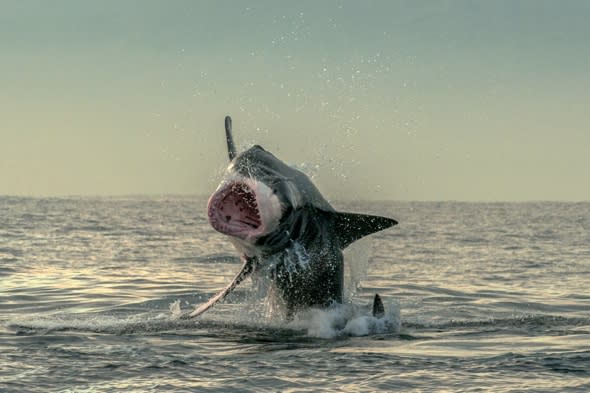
(206,196)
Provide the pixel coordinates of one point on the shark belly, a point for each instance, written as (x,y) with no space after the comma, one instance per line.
(305,278)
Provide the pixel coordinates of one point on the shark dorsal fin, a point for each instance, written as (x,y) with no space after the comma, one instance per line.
(352,226)
(231,147)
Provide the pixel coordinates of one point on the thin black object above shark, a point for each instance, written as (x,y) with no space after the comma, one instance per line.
(283,229)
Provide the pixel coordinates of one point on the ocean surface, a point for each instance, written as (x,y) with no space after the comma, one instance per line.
(480,297)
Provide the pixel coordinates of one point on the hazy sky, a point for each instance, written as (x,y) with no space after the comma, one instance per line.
(409,100)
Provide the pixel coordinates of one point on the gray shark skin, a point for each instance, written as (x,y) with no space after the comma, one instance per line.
(284,230)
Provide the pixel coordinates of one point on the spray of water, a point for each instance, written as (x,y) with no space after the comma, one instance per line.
(262,306)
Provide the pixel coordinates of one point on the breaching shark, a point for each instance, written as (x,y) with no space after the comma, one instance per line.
(285,230)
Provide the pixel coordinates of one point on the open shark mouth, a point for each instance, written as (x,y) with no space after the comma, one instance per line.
(233,210)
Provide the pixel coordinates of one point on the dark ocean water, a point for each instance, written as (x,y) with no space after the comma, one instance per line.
(491,297)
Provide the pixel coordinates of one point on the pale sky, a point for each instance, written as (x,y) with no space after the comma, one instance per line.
(402,100)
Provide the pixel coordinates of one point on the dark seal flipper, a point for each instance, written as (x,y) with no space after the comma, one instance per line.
(378,309)
(246,269)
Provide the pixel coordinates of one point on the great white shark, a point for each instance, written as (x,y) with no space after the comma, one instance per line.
(284,230)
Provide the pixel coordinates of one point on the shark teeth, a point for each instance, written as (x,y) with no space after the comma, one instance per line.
(233,210)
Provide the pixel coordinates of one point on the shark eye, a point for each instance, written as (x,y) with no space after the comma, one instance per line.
(274,187)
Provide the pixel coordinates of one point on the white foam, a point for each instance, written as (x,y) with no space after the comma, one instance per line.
(347,320)
(93,323)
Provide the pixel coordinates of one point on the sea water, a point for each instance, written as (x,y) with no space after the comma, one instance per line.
(478,297)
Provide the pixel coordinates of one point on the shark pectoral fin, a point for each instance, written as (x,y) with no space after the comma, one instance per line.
(352,226)
(246,269)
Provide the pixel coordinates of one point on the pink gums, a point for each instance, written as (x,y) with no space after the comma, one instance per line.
(233,211)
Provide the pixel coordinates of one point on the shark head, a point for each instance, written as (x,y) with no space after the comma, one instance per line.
(244,206)
(258,194)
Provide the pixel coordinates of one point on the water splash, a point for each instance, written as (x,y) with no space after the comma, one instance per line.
(175,310)
(347,320)
(356,264)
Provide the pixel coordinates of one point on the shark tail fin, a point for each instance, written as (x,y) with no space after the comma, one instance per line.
(378,309)
(352,226)
(231,147)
